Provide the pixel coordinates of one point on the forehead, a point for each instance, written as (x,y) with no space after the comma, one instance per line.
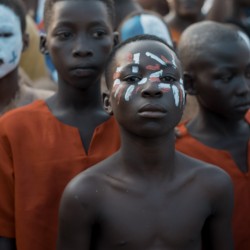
(80,11)
(148,51)
(235,52)
(8,17)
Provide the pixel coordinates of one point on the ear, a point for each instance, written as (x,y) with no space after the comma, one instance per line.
(43,44)
(106,103)
(26,41)
(189,83)
(116,39)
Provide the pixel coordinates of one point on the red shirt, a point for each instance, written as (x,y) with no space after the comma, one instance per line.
(186,144)
(39,156)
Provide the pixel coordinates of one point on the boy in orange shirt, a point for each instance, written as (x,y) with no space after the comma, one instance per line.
(217,71)
(45,144)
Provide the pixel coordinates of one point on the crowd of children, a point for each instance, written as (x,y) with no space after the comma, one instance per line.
(83,168)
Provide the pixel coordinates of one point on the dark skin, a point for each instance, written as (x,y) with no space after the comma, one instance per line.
(222,87)
(146,196)
(80,37)
(79,40)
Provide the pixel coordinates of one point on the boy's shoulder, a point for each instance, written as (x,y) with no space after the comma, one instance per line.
(209,177)
(25,114)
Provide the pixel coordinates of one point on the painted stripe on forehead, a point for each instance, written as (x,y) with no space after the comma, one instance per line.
(156,58)
(136,58)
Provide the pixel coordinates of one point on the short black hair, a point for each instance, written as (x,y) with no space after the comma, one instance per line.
(50,3)
(144,37)
(18,8)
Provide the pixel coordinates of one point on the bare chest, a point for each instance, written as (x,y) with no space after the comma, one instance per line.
(154,221)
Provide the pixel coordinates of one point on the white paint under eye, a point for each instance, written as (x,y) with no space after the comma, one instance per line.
(117,82)
(136,58)
(157,74)
(156,58)
(164,86)
(176,95)
(117,90)
(129,92)
(143,80)
(11,46)
(135,69)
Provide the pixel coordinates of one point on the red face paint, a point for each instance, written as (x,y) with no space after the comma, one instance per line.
(153,67)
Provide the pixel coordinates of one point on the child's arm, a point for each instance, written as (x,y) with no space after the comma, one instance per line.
(217,233)
(7,244)
(76,217)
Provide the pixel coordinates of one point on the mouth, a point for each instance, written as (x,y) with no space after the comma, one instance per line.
(152,111)
(85,71)
(1,61)
(243,106)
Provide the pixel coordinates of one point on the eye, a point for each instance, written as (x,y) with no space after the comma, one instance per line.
(64,35)
(132,79)
(99,33)
(6,34)
(168,79)
(226,78)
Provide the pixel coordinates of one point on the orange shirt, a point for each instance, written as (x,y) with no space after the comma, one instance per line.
(186,144)
(39,156)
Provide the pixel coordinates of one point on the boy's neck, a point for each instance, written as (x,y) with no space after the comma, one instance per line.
(77,100)
(210,123)
(148,156)
(8,88)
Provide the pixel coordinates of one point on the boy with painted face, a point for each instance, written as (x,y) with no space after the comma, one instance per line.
(13,41)
(217,71)
(45,144)
(146,196)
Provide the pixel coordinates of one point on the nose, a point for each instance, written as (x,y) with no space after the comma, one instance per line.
(151,90)
(243,88)
(82,47)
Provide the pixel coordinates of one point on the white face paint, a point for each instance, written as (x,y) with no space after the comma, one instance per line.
(11,43)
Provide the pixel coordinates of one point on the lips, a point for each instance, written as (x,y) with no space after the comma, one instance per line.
(83,71)
(152,111)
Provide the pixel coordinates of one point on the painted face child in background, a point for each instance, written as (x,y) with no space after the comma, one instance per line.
(11,41)
(148,78)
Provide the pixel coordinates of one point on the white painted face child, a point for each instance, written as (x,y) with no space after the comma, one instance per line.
(11,43)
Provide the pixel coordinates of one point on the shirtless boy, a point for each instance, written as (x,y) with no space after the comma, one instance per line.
(146,196)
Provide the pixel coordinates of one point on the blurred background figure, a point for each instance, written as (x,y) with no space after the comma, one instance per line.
(123,8)
(182,14)
(144,22)
(159,6)
(14,89)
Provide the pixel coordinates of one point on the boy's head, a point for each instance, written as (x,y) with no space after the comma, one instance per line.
(13,39)
(216,64)
(187,8)
(48,9)
(79,38)
(144,78)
